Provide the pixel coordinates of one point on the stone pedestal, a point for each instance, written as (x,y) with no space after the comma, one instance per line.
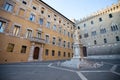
(77,61)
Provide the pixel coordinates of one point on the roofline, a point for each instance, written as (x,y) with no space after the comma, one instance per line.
(56,11)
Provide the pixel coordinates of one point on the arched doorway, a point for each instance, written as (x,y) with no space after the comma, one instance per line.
(36,53)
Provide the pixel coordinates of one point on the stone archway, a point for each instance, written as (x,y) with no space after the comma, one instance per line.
(36,53)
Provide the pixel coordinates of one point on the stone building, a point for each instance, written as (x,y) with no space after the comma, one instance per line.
(31,30)
(100,32)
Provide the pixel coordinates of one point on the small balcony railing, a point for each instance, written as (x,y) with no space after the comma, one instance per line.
(36,39)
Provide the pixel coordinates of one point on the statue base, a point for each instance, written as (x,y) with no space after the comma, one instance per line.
(78,63)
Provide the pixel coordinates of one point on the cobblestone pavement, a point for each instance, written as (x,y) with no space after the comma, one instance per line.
(50,71)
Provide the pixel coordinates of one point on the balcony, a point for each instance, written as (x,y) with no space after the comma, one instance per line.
(37,40)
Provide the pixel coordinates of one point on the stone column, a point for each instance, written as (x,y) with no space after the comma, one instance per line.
(40,53)
(30,58)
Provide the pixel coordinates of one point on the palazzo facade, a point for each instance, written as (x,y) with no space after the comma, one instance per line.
(100,32)
(31,30)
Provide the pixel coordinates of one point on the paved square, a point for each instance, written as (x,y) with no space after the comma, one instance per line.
(49,71)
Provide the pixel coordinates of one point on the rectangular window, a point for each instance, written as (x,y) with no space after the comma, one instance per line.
(16,30)
(42,12)
(54,28)
(110,16)
(21,12)
(8,7)
(48,16)
(95,42)
(54,19)
(39,35)
(84,25)
(54,41)
(53,53)
(34,7)
(117,38)
(24,2)
(47,39)
(93,33)
(68,44)
(48,25)
(64,54)
(29,33)
(60,30)
(71,35)
(86,35)
(114,28)
(41,21)
(100,19)
(103,30)
(59,53)
(68,34)
(105,40)
(92,22)
(64,44)
(32,17)
(2,26)
(72,45)
(80,36)
(10,47)
(68,54)
(46,52)
(23,49)
(59,42)
(64,32)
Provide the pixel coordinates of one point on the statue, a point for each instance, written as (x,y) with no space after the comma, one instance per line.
(76,37)
(77,61)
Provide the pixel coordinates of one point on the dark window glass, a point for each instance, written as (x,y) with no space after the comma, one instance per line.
(100,19)
(114,28)
(8,7)
(68,54)
(24,2)
(110,16)
(41,21)
(42,12)
(93,33)
(80,36)
(91,22)
(34,7)
(23,49)
(105,40)
(86,35)
(53,53)
(95,42)
(49,16)
(46,52)
(59,53)
(84,25)
(64,54)
(117,38)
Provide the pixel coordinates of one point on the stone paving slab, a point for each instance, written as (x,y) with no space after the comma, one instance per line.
(112,61)
(41,71)
(35,73)
(104,67)
(101,76)
(117,69)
